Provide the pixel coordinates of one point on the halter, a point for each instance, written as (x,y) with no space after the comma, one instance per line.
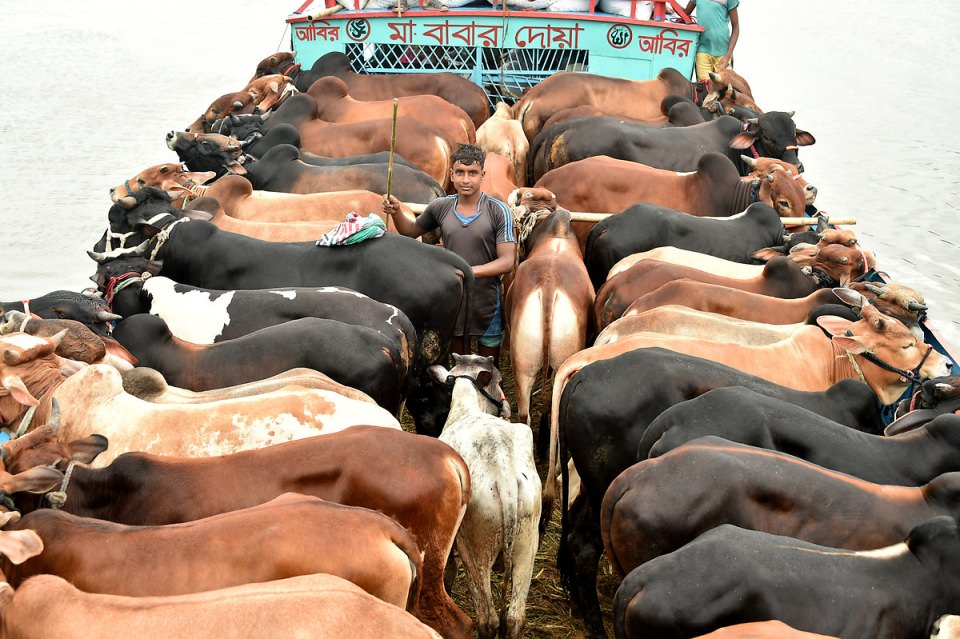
(912,376)
(59,497)
(119,282)
(295,68)
(451,380)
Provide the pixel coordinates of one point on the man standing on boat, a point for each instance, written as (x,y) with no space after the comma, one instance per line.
(721,29)
(478,228)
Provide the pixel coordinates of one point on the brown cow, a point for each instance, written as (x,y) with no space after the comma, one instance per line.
(293,534)
(762,630)
(80,343)
(336,105)
(806,361)
(781,277)
(499,177)
(230,103)
(549,304)
(315,605)
(763,166)
(802,254)
(210,208)
(449,86)
(423,484)
(269,91)
(172,178)
(503,135)
(602,184)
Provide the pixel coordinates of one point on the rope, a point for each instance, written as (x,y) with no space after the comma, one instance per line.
(526,220)
(59,497)
(162,237)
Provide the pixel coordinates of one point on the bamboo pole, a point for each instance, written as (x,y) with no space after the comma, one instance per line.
(596,217)
(393,146)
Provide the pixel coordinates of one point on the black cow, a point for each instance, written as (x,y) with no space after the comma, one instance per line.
(355,356)
(935,397)
(730,575)
(647,226)
(429,284)
(86,309)
(672,148)
(647,512)
(748,417)
(604,411)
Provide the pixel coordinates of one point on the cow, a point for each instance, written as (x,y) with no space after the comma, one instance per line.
(670,148)
(549,305)
(317,605)
(93,400)
(236,102)
(504,508)
(170,177)
(424,485)
(889,593)
(211,209)
(647,513)
(762,630)
(305,535)
(427,283)
(499,177)
(645,226)
(934,397)
(604,185)
(780,277)
(353,355)
(269,91)
(503,135)
(335,104)
(909,459)
(86,309)
(449,86)
(804,255)
(630,98)
(763,166)
(603,413)
(80,343)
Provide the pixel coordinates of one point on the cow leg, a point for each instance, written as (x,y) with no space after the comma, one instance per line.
(435,607)
(524,554)
(578,558)
(478,554)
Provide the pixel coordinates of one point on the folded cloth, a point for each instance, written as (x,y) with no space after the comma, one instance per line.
(354,229)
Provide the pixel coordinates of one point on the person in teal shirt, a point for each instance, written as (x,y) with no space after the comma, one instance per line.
(721,29)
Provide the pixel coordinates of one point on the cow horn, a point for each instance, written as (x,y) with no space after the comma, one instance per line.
(873,288)
(139,249)
(916,307)
(749,161)
(56,339)
(945,389)
(237,104)
(752,120)
(54,419)
(716,77)
(771,178)
(265,115)
(100,258)
(106,316)
(790,114)
(11,357)
(127,202)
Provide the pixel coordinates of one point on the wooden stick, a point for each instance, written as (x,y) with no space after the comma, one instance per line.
(596,217)
(393,145)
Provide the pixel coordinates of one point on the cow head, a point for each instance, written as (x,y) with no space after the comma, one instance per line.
(281,62)
(761,167)
(229,103)
(841,263)
(774,135)
(783,193)
(111,273)
(134,220)
(880,338)
(208,152)
(80,343)
(896,300)
(90,310)
(29,367)
(172,178)
(270,90)
(935,397)
(478,379)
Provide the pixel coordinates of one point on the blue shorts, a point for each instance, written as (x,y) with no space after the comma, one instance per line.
(493,336)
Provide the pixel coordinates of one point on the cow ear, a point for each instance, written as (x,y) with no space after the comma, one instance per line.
(743,141)
(850,297)
(20,545)
(833,324)
(438,373)
(804,138)
(18,390)
(850,344)
(766,254)
(38,479)
(483,378)
(86,450)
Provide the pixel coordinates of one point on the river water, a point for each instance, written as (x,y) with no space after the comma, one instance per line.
(93,88)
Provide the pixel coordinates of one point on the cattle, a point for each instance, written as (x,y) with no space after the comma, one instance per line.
(80,342)
(645,226)
(499,177)
(418,142)
(763,166)
(93,400)
(172,178)
(603,414)
(449,86)
(318,605)
(549,304)
(269,91)
(630,98)
(427,283)
(603,185)
(671,148)
(236,102)
(762,630)
(934,397)
(335,104)
(780,277)
(353,355)
(892,592)
(210,209)
(803,255)
(86,309)
(424,485)
(647,513)
(305,535)
(910,459)
(504,508)
(503,135)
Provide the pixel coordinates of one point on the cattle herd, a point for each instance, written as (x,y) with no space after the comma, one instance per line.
(210,444)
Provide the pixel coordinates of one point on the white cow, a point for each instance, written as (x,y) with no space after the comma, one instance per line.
(503,134)
(504,507)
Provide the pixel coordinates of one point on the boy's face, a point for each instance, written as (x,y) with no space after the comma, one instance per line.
(466,178)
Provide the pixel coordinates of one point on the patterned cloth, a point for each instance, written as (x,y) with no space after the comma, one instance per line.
(353,230)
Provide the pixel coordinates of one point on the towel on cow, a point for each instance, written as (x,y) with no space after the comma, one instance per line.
(354,229)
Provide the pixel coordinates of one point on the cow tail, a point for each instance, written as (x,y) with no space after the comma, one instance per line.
(566,370)
(564,561)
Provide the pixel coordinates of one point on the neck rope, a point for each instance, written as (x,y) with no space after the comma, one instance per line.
(451,380)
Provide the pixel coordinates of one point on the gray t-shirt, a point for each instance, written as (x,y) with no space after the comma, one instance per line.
(475,239)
